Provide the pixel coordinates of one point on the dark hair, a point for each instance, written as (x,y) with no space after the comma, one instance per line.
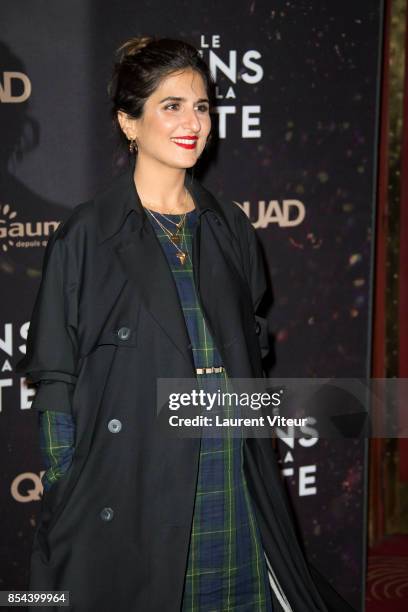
(141,64)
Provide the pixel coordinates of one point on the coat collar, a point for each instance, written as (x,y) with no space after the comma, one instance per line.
(115,203)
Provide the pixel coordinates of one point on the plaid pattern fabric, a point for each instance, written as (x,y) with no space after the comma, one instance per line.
(204,351)
(57,431)
(226,569)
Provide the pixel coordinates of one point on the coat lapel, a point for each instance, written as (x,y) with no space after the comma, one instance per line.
(145,264)
(141,257)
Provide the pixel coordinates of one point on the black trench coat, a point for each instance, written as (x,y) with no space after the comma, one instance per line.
(106,324)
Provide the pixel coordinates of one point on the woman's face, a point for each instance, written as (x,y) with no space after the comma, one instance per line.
(178,109)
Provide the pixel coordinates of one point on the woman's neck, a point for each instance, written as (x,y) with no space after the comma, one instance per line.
(162,189)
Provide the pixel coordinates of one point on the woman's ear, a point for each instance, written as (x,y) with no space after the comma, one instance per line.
(126,124)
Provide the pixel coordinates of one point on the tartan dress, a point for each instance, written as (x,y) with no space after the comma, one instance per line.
(226,568)
(57,436)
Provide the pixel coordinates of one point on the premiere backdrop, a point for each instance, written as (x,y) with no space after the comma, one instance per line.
(298,87)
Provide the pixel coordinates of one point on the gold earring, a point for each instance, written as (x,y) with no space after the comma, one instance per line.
(133,148)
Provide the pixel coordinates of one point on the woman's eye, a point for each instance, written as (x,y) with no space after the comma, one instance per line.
(203,108)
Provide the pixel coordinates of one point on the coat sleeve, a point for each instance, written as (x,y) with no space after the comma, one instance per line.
(52,347)
(255,274)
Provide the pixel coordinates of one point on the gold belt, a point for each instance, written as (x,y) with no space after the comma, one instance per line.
(211,370)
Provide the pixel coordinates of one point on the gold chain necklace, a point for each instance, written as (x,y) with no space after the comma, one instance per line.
(174,238)
(169,213)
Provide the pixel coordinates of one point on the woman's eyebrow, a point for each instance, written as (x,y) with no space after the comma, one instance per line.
(180,99)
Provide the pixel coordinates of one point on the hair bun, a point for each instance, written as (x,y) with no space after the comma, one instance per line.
(132,46)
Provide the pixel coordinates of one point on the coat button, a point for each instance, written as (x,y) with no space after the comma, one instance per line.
(124,333)
(106,514)
(257,328)
(114,426)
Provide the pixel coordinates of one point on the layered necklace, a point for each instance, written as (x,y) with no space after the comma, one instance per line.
(173,236)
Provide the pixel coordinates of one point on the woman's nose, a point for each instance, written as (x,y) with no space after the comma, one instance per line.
(192,120)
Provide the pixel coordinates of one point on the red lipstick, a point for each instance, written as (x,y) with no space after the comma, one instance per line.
(184,144)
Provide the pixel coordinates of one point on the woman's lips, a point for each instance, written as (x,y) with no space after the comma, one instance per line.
(186,145)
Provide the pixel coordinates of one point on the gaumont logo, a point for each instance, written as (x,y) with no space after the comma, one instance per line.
(18,235)
(287,213)
(15,87)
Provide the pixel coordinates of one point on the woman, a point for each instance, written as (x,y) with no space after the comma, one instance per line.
(155,278)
